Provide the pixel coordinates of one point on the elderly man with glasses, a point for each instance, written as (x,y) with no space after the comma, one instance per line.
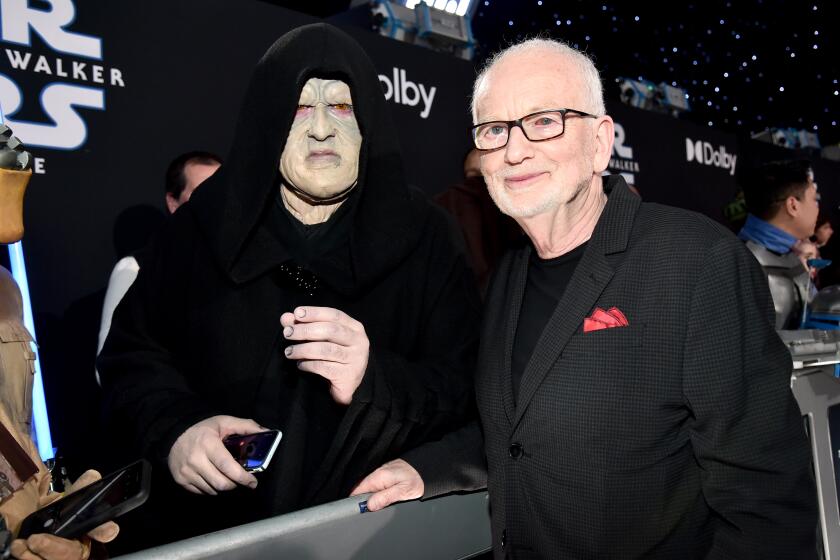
(633,394)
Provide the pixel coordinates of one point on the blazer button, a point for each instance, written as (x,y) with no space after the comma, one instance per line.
(515,450)
(504,537)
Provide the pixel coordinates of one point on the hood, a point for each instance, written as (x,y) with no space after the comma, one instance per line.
(231,206)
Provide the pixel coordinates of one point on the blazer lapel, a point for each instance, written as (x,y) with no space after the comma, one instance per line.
(519,272)
(590,278)
(593,273)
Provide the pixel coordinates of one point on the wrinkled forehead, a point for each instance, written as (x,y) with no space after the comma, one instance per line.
(325,90)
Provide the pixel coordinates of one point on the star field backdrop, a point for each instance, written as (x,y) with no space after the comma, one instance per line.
(746,64)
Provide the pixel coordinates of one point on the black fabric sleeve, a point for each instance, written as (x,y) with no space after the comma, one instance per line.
(746,429)
(430,392)
(144,391)
(454,463)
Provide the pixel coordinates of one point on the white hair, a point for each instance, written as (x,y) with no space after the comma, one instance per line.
(593,94)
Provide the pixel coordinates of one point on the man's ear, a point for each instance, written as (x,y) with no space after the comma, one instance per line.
(604,138)
(171,203)
(792,206)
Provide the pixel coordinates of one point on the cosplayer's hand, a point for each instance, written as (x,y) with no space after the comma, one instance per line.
(50,547)
(395,481)
(199,461)
(335,346)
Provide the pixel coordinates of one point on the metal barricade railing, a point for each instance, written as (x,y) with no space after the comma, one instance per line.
(452,527)
(816,387)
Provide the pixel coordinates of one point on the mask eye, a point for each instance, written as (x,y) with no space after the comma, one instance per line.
(303,110)
(341,109)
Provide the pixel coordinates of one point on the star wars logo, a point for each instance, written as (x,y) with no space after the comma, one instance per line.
(72,84)
(622,157)
(706,154)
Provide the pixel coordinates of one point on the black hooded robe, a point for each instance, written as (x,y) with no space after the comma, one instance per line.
(199,332)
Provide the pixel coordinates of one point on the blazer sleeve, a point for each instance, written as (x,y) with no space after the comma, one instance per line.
(145,392)
(455,463)
(746,429)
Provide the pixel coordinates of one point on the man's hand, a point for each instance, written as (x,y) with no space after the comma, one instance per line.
(49,547)
(199,461)
(395,481)
(336,347)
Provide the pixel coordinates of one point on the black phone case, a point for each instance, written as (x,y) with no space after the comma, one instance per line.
(47,519)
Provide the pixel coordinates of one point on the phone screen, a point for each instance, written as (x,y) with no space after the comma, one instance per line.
(253,451)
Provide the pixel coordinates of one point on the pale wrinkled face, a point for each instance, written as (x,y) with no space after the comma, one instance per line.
(321,156)
(527,178)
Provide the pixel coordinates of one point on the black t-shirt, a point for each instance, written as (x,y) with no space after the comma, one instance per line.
(546,283)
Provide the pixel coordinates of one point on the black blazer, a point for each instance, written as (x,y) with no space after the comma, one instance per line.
(676,436)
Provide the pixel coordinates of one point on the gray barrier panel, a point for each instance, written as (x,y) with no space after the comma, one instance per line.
(452,527)
(816,390)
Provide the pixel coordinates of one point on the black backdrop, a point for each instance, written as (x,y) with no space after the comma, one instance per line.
(173,73)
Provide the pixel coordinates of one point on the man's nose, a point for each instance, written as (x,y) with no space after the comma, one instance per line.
(321,127)
(518,147)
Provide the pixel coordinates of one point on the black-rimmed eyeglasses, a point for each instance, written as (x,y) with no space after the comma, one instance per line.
(539,126)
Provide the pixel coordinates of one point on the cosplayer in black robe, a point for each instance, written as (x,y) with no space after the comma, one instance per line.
(199,333)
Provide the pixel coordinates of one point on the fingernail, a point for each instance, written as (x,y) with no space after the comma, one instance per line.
(252,485)
(300,312)
(288,331)
(288,350)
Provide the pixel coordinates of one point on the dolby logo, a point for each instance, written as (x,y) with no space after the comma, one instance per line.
(706,154)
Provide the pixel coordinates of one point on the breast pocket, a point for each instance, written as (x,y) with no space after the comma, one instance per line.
(609,396)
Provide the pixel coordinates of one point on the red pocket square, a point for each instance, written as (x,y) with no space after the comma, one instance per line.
(605,317)
(590,325)
(601,319)
(616,312)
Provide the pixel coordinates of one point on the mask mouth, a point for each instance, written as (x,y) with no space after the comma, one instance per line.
(319,159)
(324,152)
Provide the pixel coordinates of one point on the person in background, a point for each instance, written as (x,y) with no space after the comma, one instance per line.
(782,204)
(183,175)
(806,251)
(822,230)
(488,233)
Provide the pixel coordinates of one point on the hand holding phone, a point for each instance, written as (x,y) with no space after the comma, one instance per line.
(78,512)
(199,462)
(254,451)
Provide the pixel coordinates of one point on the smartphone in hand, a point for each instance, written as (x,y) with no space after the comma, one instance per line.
(254,451)
(78,512)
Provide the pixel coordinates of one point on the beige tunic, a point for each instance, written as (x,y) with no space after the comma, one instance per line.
(17,362)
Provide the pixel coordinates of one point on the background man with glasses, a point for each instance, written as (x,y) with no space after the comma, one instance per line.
(633,394)
(783,205)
